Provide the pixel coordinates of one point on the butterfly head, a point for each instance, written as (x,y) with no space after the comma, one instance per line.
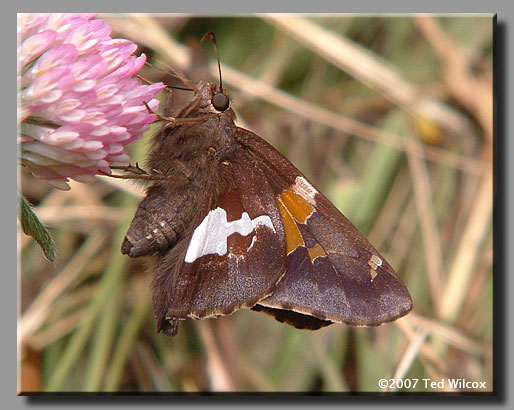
(214,99)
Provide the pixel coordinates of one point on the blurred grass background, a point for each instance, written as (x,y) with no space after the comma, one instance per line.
(390,116)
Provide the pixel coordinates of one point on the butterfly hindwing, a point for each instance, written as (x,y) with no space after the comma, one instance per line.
(333,273)
(235,256)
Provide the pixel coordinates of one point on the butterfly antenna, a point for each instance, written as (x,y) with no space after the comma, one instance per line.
(178,75)
(168,87)
(213,38)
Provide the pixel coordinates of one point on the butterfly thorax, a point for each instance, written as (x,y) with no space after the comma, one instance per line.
(196,144)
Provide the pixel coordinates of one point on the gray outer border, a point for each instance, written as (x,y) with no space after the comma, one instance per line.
(504,189)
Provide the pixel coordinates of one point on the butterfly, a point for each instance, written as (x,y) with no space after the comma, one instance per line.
(231,223)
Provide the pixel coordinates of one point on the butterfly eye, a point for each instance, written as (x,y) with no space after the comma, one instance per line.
(220,101)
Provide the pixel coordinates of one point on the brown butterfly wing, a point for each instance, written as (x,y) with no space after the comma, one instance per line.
(333,273)
(235,257)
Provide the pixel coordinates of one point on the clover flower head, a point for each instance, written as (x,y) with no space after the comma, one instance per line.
(79,101)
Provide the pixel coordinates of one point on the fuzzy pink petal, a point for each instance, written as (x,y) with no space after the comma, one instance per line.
(34,46)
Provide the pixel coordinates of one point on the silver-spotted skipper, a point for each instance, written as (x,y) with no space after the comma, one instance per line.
(233,224)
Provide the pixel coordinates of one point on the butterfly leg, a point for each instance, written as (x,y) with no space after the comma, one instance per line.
(168,326)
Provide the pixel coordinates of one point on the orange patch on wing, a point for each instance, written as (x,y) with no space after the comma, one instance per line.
(297,207)
(293,235)
(316,252)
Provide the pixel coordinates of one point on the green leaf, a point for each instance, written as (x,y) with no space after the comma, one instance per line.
(32,226)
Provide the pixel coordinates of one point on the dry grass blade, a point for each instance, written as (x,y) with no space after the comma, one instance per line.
(155,37)
(409,356)
(462,270)
(370,69)
(429,231)
(426,352)
(57,330)
(255,375)
(152,375)
(219,376)
(448,333)
(458,76)
(35,315)
(59,214)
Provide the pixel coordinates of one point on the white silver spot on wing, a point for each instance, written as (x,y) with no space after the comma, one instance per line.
(305,189)
(211,235)
(374,262)
(253,243)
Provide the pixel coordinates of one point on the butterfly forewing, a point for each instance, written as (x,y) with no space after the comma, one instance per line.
(332,272)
